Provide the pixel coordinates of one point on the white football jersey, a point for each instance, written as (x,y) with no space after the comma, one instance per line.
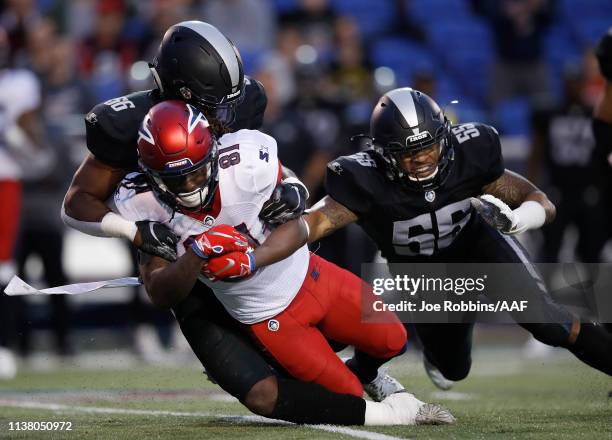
(246,181)
(19,93)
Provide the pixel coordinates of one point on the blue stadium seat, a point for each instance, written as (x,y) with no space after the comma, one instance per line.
(589,30)
(438,10)
(466,49)
(403,56)
(373,17)
(572,9)
(561,49)
(285,6)
(513,117)
(250,61)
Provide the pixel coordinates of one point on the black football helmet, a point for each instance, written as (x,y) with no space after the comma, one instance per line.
(195,62)
(406,121)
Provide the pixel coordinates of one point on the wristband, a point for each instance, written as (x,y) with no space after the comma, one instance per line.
(530,215)
(116,226)
(252,265)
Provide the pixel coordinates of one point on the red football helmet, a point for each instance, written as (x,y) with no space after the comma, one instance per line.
(178,152)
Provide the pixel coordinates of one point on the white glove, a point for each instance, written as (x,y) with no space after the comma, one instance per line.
(530,215)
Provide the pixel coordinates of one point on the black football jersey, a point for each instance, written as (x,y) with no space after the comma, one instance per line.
(112,126)
(406,224)
(568,142)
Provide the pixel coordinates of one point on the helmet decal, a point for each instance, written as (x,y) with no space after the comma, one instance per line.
(144,132)
(405,104)
(221,44)
(195,116)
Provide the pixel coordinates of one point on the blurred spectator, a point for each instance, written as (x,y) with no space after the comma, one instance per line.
(20,154)
(404,24)
(350,82)
(563,146)
(250,24)
(159,15)
(18,17)
(519,27)
(315,20)
(106,55)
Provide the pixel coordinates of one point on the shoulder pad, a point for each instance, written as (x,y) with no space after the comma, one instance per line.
(250,111)
(112,128)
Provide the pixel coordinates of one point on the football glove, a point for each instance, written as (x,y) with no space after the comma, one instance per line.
(219,240)
(530,215)
(603,52)
(229,266)
(287,202)
(157,239)
(496,213)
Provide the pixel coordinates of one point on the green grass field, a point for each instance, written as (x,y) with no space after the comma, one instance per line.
(504,397)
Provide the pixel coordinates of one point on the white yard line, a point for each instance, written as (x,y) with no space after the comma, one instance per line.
(356,433)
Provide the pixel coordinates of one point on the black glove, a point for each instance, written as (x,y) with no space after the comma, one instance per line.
(157,239)
(287,202)
(603,51)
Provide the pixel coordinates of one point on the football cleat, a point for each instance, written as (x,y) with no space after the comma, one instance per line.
(383,386)
(434,414)
(436,376)
(405,409)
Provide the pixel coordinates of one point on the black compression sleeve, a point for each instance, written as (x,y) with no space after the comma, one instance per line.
(301,402)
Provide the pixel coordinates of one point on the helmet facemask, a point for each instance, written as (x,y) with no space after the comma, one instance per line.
(394,154)
(170,187)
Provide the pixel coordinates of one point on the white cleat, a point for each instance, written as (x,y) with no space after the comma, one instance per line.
(436,376)
(383,386)
(434,414)
(404,409)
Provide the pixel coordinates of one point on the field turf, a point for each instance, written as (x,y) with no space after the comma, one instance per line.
(504,397)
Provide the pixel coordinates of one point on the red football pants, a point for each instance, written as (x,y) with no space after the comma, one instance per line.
(327,305)
(10,208)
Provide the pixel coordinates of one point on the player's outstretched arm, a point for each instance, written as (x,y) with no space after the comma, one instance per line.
(323,218)
(168,283)
(532,208)
(327,216)
(85,210)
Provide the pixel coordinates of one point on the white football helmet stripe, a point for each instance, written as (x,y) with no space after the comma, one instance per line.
(221,44)
(405,104)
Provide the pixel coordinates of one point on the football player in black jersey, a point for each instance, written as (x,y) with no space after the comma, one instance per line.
(198,64)
(602,130)
(430,192)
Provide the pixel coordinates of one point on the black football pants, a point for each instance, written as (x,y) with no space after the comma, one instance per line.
(448,346)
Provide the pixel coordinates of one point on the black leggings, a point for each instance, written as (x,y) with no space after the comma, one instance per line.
(228,356)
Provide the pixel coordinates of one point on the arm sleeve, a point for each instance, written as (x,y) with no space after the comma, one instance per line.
(341,186)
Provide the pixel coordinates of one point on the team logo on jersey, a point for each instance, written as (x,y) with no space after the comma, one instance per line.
(209,220)
(335,167)
(430,196)
(264,154)
(92,118)
(273,325)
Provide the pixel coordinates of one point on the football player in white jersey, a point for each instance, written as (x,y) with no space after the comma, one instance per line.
(201,188)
